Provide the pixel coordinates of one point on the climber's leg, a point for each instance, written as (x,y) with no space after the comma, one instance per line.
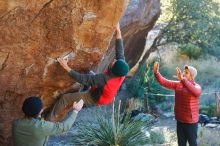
(66,100)
(76,87)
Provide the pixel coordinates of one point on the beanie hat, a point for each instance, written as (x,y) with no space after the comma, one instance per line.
(32,106)
(120,68)
(192,71)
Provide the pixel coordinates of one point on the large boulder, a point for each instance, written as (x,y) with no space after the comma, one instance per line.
(139,18)
(34,33)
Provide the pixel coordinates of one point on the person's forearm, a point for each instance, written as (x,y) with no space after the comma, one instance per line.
(119,49)
(194,89)
(76,76)
(69,120)
(67,68)
(53,128)
(98,80)
(85,79)
(170,84)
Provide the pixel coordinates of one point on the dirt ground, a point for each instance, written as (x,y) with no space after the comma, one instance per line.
(169,123)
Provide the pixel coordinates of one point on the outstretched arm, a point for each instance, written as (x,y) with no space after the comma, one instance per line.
(119,48)
(170,84)
(97,80)
(53,128)
(163,81)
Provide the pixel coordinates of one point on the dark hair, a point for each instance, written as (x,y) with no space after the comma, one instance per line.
(186,67)
(32,106)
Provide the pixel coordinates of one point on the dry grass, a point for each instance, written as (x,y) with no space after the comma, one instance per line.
(163,137)
(135,104)
(208,137)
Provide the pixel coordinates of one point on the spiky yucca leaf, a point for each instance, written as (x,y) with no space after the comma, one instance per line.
(106,131)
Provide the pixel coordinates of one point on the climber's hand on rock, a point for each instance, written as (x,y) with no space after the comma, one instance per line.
(77,106)
(118,27)
(63,63)
(118,31)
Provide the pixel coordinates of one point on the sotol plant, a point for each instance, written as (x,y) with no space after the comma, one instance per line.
(112,131)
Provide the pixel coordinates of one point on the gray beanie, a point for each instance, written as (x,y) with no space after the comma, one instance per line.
(192,70)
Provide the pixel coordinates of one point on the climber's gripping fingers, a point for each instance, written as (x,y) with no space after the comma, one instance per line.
(63,63)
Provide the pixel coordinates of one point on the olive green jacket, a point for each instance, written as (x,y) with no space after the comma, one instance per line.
(35,132)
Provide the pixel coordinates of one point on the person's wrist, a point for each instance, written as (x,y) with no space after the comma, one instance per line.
(67,68)
(76,111)
(118,32)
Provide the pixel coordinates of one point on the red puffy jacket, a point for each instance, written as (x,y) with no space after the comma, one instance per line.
(186,98)
(109,90)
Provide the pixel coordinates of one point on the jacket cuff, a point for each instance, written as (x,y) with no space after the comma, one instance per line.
(72,73)
(119,41)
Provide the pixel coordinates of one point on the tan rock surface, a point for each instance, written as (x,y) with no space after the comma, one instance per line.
(139,18)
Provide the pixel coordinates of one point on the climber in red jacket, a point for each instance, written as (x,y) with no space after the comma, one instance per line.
(104,86)
(186,108)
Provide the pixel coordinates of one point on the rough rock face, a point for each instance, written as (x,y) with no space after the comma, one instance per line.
(33,33)
(139,18)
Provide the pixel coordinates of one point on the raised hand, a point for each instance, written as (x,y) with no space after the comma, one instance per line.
(77,106)
(156,67)
(63,63)
(179,74)
(118,31)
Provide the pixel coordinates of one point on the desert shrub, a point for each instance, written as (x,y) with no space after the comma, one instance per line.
(143,82)
(109,130)
(208,137)
(137,85)
(208,110)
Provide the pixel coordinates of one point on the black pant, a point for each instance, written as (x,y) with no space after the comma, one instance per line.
(187,132)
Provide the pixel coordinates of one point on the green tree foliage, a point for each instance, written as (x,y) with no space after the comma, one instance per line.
(208,110)
(143,82)
(190,50)
(154,87)
(194,22)
(137,85)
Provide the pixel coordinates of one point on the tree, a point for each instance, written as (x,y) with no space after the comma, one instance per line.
(190,23)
